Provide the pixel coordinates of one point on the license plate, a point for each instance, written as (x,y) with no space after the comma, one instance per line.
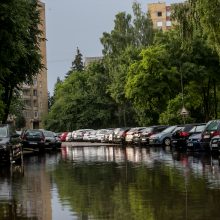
(214,145)
(190,144)
(206,136)
(31,142)
(174,141)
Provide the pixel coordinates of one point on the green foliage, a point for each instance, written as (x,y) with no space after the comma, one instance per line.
(20,122)
(121,48)
(81,101)
(149,83)
(145,77)
(77,64)
(20,39)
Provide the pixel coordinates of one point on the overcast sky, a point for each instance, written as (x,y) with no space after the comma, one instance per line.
(79,23)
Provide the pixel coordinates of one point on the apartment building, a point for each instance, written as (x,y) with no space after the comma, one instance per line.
(160,15)
(35,96)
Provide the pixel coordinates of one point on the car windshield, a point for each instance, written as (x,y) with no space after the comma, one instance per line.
(34,133)
(147,129)
(48,134)
(198,128)
(3,131)
(169,129)
(212,126)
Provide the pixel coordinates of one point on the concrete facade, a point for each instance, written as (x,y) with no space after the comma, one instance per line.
(160,15)
(35,96)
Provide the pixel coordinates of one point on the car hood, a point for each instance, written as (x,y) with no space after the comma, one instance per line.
(50,138)
(4,140)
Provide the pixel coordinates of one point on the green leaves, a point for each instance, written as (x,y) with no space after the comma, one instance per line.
(20,39)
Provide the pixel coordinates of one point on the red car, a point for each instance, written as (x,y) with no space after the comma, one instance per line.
(63,136)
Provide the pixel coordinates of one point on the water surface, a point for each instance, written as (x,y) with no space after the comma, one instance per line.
(108,182)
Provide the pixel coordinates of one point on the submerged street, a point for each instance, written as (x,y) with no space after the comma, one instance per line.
(111,182)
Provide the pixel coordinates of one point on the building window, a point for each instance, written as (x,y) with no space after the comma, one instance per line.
(35,103)
(159,24)
(35,92)
(35,114)
(168,23)
(27,103)
(159,13)
(35,82)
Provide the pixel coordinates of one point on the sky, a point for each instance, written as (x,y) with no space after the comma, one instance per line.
(79,23)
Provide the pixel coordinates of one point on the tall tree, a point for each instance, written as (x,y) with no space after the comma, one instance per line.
(121,47)
(77,64)
(20,37)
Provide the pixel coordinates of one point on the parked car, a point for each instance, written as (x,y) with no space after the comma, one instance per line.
(11,149)
(129,138)
(63,136)
(119,135)
(164,137)
(33,139)
(147,132)
(100,134)
(51,140)
(211,130)
(78,134)
(215,144)
(180,136)
(69,137)
(108,135)
(92,136)
(194,142)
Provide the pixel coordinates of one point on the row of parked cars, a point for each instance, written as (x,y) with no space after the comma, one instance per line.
(193,137)
(13,143)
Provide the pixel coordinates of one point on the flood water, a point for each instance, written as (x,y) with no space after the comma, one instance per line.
(109,182)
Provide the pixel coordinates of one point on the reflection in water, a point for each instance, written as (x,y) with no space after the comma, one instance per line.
(109,182)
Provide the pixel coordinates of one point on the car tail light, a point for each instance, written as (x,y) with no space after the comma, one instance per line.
(183,134)
(215,133)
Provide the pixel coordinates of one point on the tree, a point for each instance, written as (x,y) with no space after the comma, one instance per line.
(20,37)
(81,101)
(77,64)
(150,83)
(207,14)
(121,48)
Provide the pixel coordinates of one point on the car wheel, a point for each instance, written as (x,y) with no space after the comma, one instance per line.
(167,141)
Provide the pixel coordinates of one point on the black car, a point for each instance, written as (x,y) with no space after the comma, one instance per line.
(194,142)
(179,137)
(211,130)
(33,139)
(10,145)
(51,140)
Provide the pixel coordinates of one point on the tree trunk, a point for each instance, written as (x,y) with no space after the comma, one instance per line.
(7,101)
(215,100)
